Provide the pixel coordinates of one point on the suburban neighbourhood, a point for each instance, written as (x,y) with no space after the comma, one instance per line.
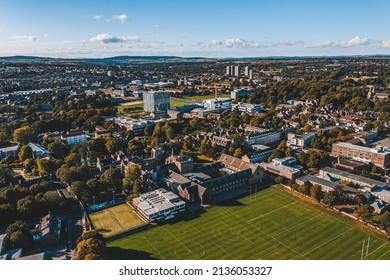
(212,153)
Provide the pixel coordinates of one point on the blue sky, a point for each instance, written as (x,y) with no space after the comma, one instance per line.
(211,28)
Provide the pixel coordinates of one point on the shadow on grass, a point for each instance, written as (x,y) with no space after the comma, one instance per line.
(117,253)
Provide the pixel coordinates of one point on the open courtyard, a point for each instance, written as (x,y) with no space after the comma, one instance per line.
(271,224)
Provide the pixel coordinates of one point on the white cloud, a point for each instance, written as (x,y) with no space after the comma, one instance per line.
(122,18)
(324,44)
(29,38)
(235,43)
(45,35)
(289,43)
(156,26)
(107,39)
(98,17)
(385,44)
(355,42)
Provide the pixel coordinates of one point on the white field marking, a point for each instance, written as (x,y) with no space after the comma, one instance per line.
(376,249)
(233,258)
(157,251)
(262,196)
(287,229)
(330,240)
(228,216)
(269,236)
(262,215)
(185,246)
(383,254)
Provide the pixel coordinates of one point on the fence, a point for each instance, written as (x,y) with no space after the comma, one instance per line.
(103,205)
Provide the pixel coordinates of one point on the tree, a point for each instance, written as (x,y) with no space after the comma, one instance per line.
(364,212)
(304,189)
(58,149)
(91,245)
(238,153)
(279,179)
(80,189)
(329,199)
(339,192)
(7,213)
(19,235)
(360,199)
(23,135)
(315,192)
(113,145)
(113,178)
(385,221)
(28,207)
(132,182)
(25,153)
(45,167)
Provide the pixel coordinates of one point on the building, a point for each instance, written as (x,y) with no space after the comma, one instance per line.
(105,164)
(101,132)
(229,70)
(239,92)
(74,137)
(248,108)
(158,205)
(258,156)
(137,126)
(285,167)
(263,138)
(183,163)
(364,182)
(217,181)
(222,141)
(327,185)
(38,150)
(12,150)
(48,231)
(377,156)
(300,140)
(217,103)
(156,101)
(237,70)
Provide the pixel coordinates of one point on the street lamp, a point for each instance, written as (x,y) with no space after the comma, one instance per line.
(113,196)
(93,197)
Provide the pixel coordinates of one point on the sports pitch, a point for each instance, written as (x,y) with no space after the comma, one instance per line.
(272,225)
(116,219)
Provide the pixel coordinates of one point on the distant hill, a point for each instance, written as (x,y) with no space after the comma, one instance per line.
(106,60)
(167,59)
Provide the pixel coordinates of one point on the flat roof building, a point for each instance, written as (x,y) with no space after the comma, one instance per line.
(285,167)
(158,205)
(217,103)
(379,157)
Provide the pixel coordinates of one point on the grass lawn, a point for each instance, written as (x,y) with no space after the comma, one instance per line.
(115,219)
(203,160)
(272,225)
(137,106)
(198,98)
(175,103)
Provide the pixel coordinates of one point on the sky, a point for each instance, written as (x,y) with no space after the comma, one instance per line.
(207,28)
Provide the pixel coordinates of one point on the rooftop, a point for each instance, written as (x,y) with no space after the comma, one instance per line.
(156,201)
(9,149)
(374,183)
(361,148)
